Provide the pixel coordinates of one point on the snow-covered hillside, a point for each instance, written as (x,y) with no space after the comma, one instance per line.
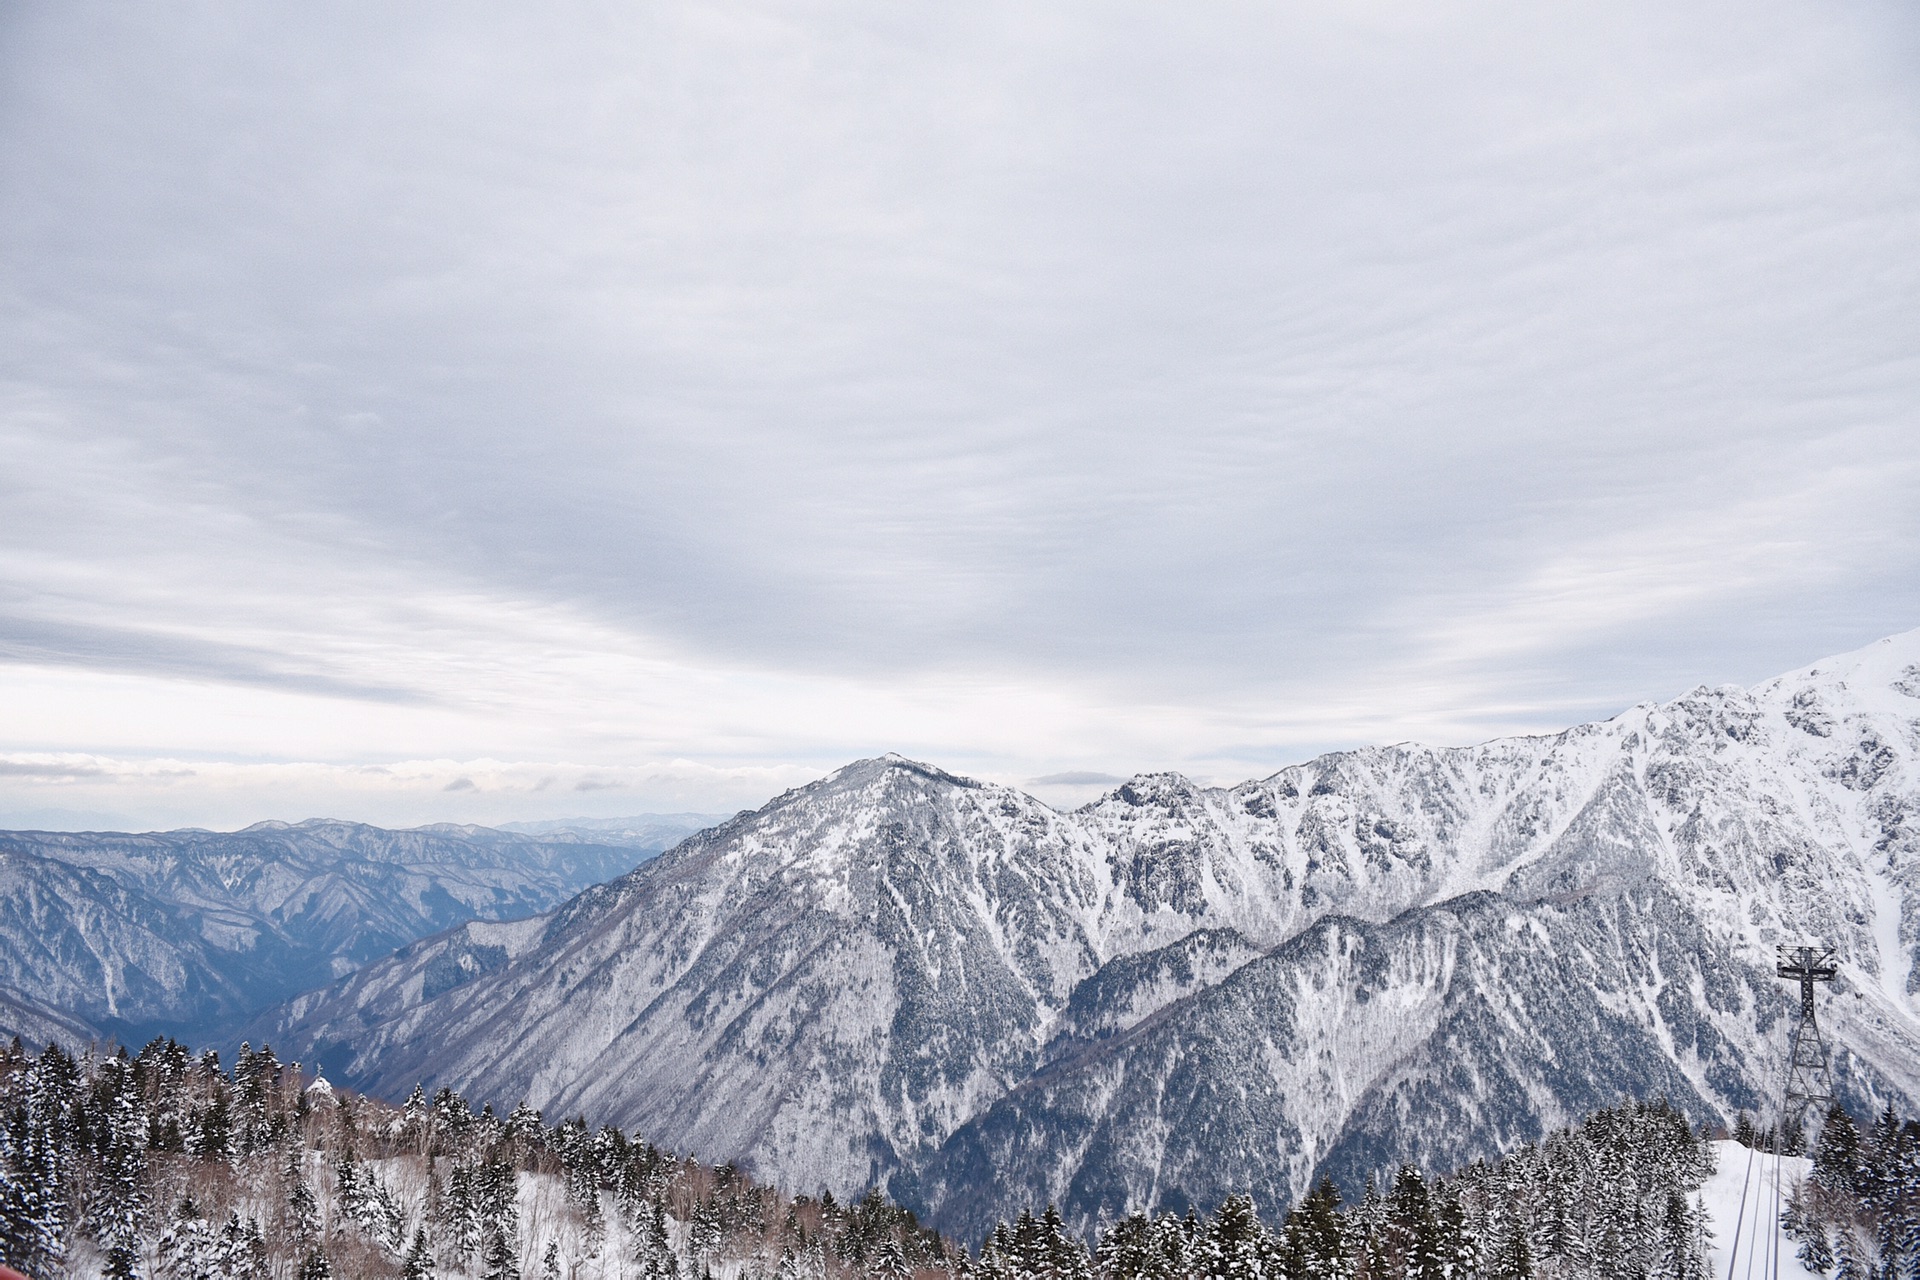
(899,976)
(1743,1200)
(189,930)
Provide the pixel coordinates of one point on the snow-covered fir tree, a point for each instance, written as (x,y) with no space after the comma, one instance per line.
(169,1166)
(164,1165)
(1859,1214)
(1616,1195)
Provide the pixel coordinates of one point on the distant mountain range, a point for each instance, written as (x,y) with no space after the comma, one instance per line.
(901,977)
(649,831)
(106,933)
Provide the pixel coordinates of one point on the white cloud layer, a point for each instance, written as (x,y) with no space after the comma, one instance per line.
(64,790)
(1045,393)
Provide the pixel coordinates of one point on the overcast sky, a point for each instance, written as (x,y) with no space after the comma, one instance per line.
(418,412)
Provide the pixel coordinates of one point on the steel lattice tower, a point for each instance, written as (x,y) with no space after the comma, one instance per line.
(1809,1079)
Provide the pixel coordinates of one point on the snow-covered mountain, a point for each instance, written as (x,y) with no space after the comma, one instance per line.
(648,832)
(192,929)
(903,977)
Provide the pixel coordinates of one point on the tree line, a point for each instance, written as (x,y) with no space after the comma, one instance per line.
(169,1164)
(1614,1196)
(1858,1215)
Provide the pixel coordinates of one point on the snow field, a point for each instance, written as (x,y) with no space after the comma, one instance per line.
(1743,1213)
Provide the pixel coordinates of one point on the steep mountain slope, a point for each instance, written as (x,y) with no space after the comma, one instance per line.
(98,951)
(1447,1034)
(192,929)
(900,976)
(36,1024)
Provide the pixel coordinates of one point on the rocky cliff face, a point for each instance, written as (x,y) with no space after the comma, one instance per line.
(902,977)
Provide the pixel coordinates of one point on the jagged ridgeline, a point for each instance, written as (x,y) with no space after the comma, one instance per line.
(166,1165)
(943,987)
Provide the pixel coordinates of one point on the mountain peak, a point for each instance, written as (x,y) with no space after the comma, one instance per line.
(898,976)
(892,764)
(1882,675)
(1164,789)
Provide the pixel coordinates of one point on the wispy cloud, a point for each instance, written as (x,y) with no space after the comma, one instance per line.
(1078,778)
(232,794)
(42,642)
(1047,394)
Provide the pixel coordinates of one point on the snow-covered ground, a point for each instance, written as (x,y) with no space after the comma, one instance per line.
(1743,1210)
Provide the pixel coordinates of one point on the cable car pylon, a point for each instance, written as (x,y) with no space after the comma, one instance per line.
(1809,1077)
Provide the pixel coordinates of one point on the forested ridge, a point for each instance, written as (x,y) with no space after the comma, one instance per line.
(1613,1196)
(1858,1215)
(167,1164)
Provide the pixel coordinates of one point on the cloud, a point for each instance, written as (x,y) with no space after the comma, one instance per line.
(35,769)
(149,792)
(1079,778)
(39,642)
(1183,387)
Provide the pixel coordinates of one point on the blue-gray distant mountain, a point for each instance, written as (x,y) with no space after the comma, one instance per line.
(648,832)
(191,931)
(896,976)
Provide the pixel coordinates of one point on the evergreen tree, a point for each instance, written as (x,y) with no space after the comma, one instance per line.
(1124,1248)
(1512,1259)
(1061,1255)
(705,1231)
(889,1262)
(1836,1154)
(213,1128)
(460,1215)
(583,1177)
(802,1262)
(523,1122)
(1412,1230)
(255,1076)
(120,1198)
(1679,1241)
(1457,1253)
(240,1251)
(654,1248)
(1849,1260)
(188,1247)
(1175,1244)
(1234,1241)
(419,1261)
(502,1258)
(996,1255)
(416,1121)
(303,1214)
(1316,1244)
(498,1194)
(1029,1252)
(36,1165)
(122,1262)
(1816,1248)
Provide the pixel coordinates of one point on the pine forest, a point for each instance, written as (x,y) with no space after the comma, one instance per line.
(167,1164)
